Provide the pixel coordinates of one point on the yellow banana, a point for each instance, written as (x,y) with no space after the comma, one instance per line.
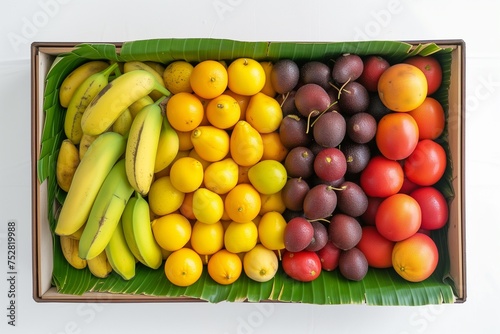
(106,212)
(84,144)
(168,146)
(81,99)
(69,247)
(117,96)
(138,65)
(67,162)
(119,255)
(123,123)
(76,77)
(139,104)
(142,145)
(101,156)
(139,234)
(99,266)
(158,67)
(78,234)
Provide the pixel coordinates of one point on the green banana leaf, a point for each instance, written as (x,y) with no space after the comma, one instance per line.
(379,287)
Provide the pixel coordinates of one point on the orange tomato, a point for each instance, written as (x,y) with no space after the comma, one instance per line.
(415,258)
(430,119)
(402,87)
(398,217)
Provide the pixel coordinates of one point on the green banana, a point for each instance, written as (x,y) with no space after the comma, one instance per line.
(142,145)
(117,96)
(139,234)
(71,83)
(168,146)
(95,165)
(106,212)
(121,259)
(82,97)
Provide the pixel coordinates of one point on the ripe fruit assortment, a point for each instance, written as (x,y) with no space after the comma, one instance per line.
(241,167)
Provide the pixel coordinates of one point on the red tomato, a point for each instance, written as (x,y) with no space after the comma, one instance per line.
(397,135)
(329,256)
(415,258)
(408,186)
(432,71)
(373,67)
(377,249)
(427,164)
(304,266)
(433,205)
(430,118)
(368,217)
(398,217)
(381,177)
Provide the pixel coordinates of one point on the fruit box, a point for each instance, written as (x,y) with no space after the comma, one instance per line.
(52,61)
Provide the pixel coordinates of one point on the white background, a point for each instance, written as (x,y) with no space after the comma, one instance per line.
(476,22)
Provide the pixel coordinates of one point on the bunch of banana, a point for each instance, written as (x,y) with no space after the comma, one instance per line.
(106,212)
(76,77)
(90,174)
(139,234)
(82,97)
(69,247)
(68,160)
(153,69)
(119,255)
(116,97)
(85,144)
(142,146)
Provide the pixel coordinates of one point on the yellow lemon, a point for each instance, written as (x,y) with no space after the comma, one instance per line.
(206,239)
(183,267)
(260,264)
(246,144)
(176,77)
(223,111)
(240,237)
(273,147)
(268,176)
(163,197)
(208,206)
(221,176)
(272,202)
(224,267)
(272,230)
(211,143)
(246,76)
(172,231)
(186,174)
(268,88)
(264,113)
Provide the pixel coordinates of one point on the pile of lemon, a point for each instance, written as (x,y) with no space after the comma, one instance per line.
(218,204)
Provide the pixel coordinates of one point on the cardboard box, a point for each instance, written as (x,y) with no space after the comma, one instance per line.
(43,56)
